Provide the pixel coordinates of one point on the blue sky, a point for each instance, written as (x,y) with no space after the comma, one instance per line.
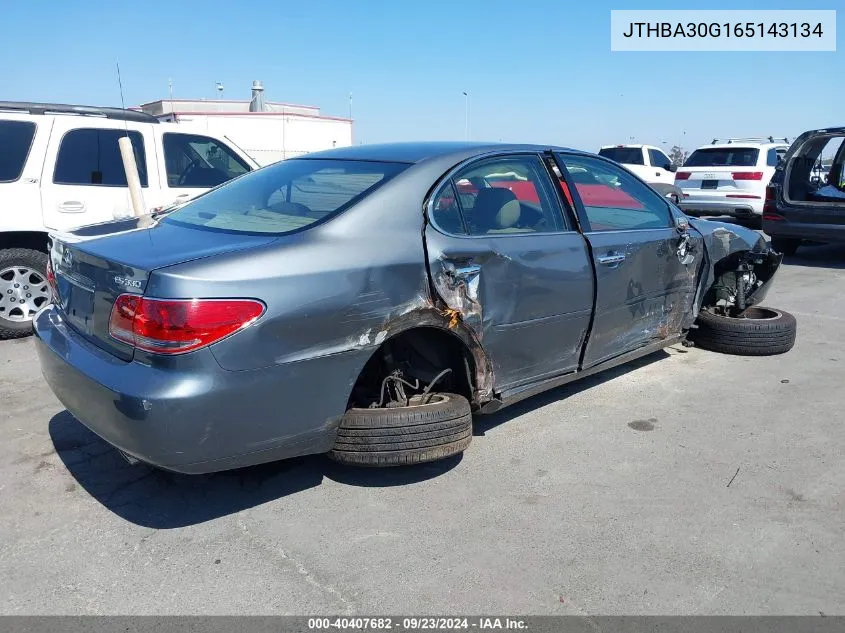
(536,70)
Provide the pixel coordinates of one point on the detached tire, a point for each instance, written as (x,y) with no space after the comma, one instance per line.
(762,332)
(405,435)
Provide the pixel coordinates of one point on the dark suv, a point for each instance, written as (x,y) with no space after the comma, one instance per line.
(799,204)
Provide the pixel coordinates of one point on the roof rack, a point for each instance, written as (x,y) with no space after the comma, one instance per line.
(758,139)
(62,108)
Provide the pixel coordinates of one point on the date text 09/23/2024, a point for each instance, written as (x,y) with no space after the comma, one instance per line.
(415,623)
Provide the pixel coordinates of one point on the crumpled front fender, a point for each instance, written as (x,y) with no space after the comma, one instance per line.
(727,245)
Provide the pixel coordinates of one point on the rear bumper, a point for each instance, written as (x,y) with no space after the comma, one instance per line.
(829,233)
(186,413)
(735,207)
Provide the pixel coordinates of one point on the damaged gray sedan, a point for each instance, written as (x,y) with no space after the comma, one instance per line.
(365,301)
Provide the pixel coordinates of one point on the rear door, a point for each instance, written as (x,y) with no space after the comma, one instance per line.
(84,181)
(814,208)
(645,269)
(509,265)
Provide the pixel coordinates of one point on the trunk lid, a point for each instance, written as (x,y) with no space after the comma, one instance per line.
(96,264)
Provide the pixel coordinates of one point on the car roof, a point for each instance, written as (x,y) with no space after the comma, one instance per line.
(742,145)
(415,152)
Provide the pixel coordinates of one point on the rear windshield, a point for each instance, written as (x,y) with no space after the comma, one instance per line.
(626,155)
(723,157)
(15,139)
(285,197)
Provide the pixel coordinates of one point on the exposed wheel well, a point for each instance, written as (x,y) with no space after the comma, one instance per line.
(35,240)
(421,354)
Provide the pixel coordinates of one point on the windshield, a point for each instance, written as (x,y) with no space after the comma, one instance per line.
(723,157)
(625,155)
(285,197)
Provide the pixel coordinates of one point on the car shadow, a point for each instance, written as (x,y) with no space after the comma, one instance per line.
(818,256)
(154,498)
(484,424)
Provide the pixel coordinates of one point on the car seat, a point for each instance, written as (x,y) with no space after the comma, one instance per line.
(495,210)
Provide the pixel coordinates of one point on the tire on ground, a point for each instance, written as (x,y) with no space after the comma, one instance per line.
(404,435)
(24,258)
(764,332)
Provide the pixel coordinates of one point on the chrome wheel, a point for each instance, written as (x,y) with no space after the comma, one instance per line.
(23,291)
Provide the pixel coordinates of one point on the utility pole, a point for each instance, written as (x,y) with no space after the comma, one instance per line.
(466,115)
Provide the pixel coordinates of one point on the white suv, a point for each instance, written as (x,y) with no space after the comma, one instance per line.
(650,163)
(729,178)
(60,168)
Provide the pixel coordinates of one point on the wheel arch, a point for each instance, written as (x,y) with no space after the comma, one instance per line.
(429,334)
(34,240)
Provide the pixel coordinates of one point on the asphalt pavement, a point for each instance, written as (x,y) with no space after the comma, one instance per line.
(687,483)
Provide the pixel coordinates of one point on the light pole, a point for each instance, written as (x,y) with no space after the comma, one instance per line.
(466,115)
(350,106)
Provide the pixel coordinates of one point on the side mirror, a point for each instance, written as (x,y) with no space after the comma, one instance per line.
(670,167)
(682,224)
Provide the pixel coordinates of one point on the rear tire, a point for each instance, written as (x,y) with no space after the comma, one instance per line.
(404,435)
(763,332)
(16,317)
(786,245)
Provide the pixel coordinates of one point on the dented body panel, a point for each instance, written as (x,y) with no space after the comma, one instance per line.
(527,311)
(642,299)
(528,301)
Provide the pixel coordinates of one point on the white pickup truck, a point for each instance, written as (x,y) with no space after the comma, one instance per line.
(650,163)
(60,169)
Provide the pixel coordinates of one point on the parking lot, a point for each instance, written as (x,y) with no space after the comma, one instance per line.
(688,482)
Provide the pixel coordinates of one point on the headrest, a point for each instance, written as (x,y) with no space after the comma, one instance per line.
(495,208)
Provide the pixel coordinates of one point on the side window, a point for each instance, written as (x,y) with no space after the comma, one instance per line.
(509,194)
(445,212)
(91,156)
(657,159)
(612,198)
(192,160)
(661,158)
(773,156)
(15,141)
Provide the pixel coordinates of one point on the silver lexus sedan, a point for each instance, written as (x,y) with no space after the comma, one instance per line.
(366,301)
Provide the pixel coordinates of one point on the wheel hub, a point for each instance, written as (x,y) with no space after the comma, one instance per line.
(23,291)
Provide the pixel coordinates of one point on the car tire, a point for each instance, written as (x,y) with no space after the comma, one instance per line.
(31,266)
(399,436)
(785,245)
(762,332)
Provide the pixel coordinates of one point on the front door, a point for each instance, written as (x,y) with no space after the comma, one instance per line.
(646,269)
(193,164)
(84,181)
(659,162)
(507,264)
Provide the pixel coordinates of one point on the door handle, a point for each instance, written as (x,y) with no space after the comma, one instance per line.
(657,173)
(611,260)
(72,206)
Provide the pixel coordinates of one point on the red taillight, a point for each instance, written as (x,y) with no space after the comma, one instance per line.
(747,175)
(682,175)
(770,205)
(175,326)
(51,279)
